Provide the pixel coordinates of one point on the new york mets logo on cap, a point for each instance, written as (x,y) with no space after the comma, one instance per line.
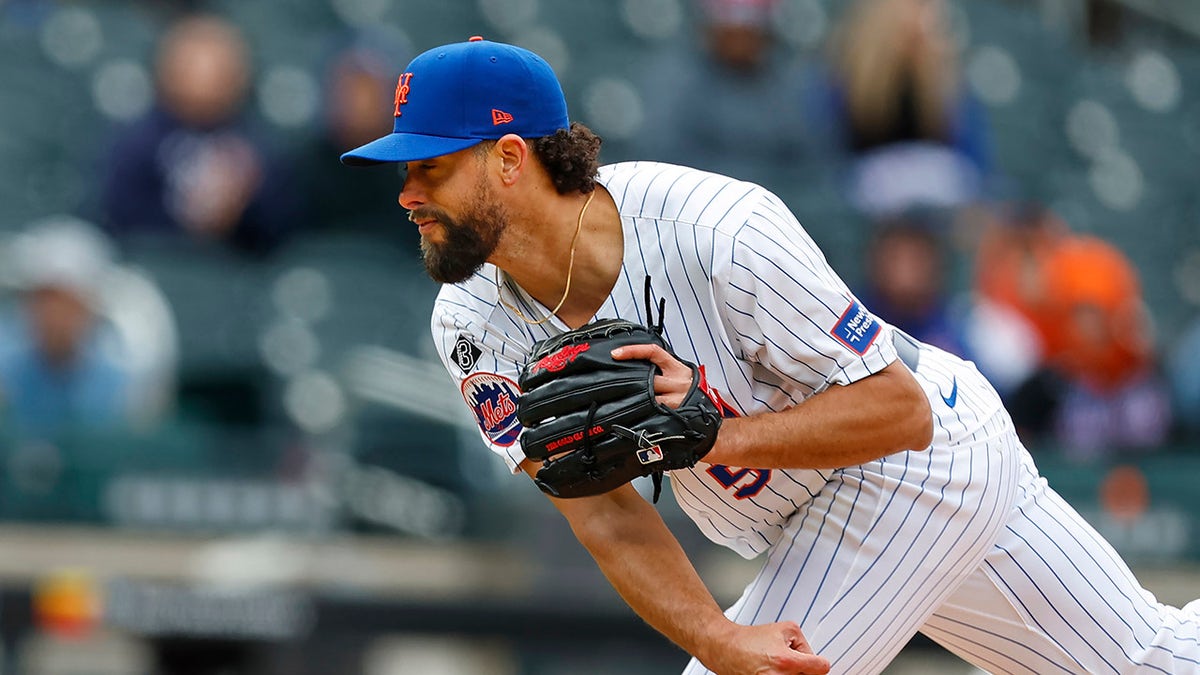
(402,91)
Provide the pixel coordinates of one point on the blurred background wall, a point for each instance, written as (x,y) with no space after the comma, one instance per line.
(226,445)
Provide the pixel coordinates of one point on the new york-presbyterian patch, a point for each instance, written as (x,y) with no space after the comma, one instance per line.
(856,328)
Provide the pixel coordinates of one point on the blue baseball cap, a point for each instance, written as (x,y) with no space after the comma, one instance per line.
(454,96)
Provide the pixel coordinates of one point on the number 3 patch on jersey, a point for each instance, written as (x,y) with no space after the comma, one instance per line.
(465,354)
(857,328)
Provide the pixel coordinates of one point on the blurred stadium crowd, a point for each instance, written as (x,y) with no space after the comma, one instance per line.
(210,325)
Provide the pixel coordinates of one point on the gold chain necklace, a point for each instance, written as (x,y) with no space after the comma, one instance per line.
(570,268)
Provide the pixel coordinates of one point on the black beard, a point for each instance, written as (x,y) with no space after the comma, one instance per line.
(468,243)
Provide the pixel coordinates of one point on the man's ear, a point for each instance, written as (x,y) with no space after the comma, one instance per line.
(512,153)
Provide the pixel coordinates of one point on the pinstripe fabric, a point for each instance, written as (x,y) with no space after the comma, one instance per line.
(967,544)
(1053,597)
(874,554)
(962,541)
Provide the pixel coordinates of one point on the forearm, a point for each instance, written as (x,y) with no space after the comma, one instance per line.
(646,565)
(842,426)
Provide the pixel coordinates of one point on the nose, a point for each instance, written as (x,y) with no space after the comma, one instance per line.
(411,196)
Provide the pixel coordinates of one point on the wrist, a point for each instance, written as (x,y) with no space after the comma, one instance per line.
(726,450)
(714,638)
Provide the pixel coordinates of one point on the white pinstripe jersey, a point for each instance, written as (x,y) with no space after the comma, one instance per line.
(749,296)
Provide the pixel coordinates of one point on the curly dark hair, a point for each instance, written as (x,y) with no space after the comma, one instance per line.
(571,157)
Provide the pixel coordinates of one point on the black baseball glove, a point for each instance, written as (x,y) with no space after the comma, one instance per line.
(593,421)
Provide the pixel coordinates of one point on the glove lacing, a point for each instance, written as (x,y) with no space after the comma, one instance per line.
(589,455)
(657,476)
(662,309)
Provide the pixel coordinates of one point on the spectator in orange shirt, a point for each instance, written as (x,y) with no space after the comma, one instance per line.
(1100,376)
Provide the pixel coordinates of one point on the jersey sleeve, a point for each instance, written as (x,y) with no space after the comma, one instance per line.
(788,311)
(485,369)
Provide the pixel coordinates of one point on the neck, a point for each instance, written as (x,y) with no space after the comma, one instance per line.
(536,254)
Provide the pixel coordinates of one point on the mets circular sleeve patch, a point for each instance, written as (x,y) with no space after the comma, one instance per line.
(493,399)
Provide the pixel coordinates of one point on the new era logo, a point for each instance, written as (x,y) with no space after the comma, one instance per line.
(500,117)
